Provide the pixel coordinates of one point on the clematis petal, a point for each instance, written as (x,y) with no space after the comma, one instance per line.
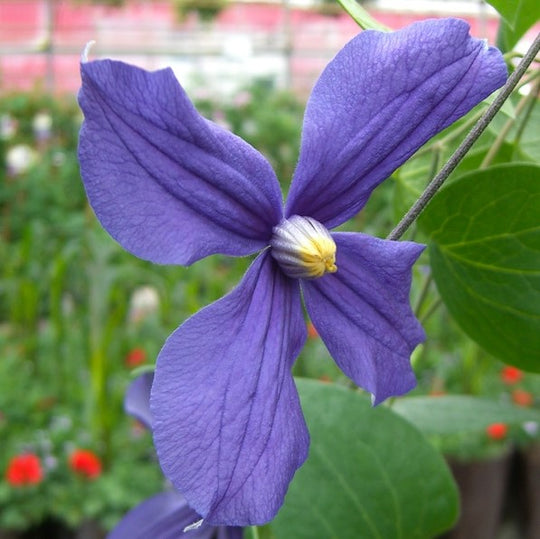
(362,312)
(163,516)
(381,98)
(228,427)
(137,399)
(168,185)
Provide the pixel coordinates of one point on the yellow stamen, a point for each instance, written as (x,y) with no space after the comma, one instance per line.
(304,248)
(319,256)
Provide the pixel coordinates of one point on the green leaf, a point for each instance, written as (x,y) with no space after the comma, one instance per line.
(369,474)
(460,414)
(485,258)
(512,10)
(519,16)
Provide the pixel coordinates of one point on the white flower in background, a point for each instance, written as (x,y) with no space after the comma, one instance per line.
(58,158)
(61,423)
(44,441)
(68,304)
(201,93)
(42,125)
(531,428)
(250,127)
(50,462)
(19,159)
(144,301)
(8,126)
(243,98)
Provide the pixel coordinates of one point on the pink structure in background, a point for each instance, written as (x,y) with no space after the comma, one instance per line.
(40,41)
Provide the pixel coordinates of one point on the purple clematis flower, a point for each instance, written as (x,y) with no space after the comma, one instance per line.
(167,514)
(172,187)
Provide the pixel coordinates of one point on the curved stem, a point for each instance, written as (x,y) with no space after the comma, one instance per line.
(432,308)
(361,16)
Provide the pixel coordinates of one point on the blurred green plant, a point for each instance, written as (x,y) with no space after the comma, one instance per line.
(77,313)
(207,10)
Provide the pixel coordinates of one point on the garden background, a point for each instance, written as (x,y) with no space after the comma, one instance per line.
(80,317)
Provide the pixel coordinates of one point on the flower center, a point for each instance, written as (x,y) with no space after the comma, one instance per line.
(303,248)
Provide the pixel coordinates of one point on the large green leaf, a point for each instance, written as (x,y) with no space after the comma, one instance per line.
(514,10)
(485,258)
(452,414)
(519,16)
(369,474)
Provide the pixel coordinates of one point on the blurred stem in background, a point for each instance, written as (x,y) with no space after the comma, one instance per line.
(525,106)
(105,317)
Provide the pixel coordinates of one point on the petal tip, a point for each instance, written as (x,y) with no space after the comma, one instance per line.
(194,526)
(86,50)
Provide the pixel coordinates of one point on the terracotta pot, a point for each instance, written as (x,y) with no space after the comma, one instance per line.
(531,460)
(90,530)
(482,485)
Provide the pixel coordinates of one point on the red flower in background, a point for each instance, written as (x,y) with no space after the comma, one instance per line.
(511,375)
(497,431)
(522,397)
(85,463)
(136,357)
(24,470)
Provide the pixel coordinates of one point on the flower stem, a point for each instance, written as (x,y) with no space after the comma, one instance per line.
(361,16)
(417,208)
(432,308)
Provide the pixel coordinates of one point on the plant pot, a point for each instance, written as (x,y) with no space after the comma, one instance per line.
(482,485)
(90,529)
(531,461)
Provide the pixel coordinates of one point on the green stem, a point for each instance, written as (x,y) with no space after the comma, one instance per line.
(530,78)
(432,308)
(435,160)
(423,294)
(528,112)
(503,133)
(361,16)
(511,55)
